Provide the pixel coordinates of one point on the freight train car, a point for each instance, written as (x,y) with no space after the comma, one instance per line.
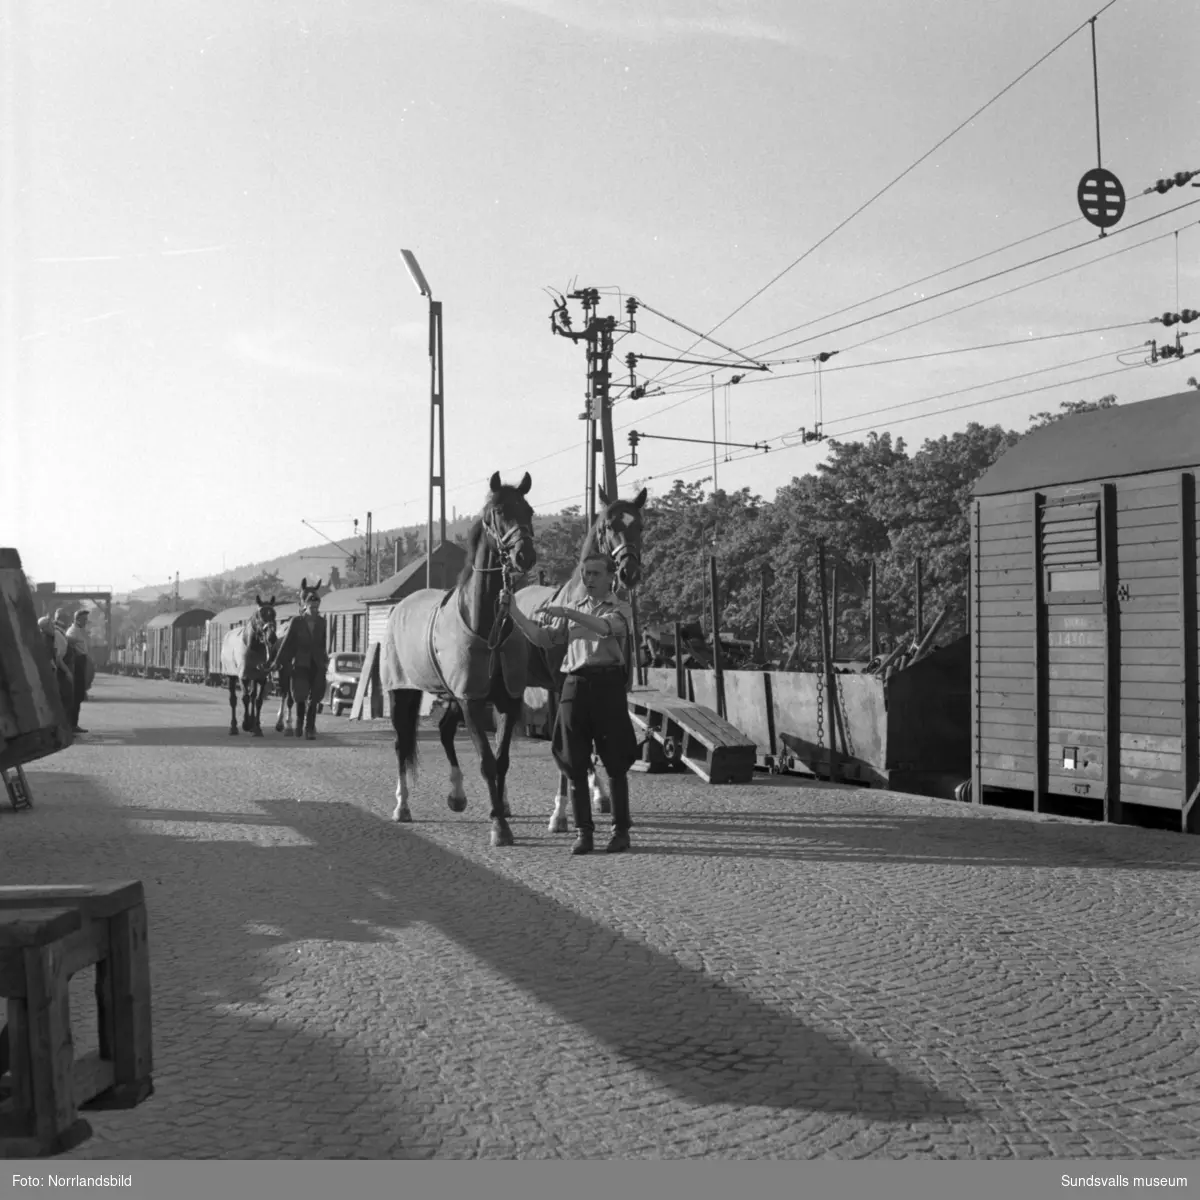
(168,636)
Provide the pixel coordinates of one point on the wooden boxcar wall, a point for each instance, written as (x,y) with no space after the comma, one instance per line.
(1084,664)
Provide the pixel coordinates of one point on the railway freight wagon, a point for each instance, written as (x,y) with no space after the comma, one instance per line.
(168,637)
(1084,679)
(221,623)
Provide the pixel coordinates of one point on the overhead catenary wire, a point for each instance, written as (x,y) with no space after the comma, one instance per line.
(908,170)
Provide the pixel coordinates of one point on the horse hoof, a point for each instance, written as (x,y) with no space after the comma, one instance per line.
(402,816)
(278,726)
(559,825)
(289,732)
(507,810)
(233,731)
(501,834)
(258,732)
(457,804)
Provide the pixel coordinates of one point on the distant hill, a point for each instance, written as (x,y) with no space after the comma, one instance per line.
(316,560)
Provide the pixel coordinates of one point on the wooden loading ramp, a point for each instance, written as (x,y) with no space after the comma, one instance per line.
(680,733)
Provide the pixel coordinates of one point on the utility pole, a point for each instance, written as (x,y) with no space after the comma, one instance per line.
(598,333)
(370,552)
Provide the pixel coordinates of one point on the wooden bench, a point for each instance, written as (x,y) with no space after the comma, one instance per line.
(109,932)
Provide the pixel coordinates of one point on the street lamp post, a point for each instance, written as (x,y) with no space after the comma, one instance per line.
(437,428)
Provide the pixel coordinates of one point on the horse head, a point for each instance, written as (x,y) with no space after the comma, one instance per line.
(508,521)
(263,622)
(309,593)
(618,534)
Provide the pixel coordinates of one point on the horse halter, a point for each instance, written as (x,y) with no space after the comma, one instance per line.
(506,542)
(621,550)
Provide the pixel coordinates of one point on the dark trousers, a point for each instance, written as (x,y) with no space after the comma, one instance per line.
(80,690)
(593,712)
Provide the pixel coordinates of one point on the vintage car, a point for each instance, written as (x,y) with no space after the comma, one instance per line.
(342,680)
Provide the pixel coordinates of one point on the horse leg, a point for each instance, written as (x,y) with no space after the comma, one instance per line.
(233,704)
(508,713)
(260,696)
(284,699)
(558,818)
(447,727)
(406,710)
(247,723)
(476,715)
(600,800)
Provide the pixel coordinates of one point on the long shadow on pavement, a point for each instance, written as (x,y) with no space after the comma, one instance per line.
(838,836)
(708,1042)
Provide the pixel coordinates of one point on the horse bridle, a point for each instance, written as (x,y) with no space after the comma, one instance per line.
(621,551)
(505,542)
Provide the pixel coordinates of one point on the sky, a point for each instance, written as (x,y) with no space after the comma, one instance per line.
(209,336)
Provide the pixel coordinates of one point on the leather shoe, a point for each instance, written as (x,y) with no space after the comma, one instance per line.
(618,842)
(583,842)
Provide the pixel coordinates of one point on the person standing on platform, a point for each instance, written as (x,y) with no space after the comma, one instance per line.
(593,709)
(58,648)
(77,635)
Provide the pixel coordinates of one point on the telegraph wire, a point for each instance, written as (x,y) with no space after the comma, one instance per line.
(862,207)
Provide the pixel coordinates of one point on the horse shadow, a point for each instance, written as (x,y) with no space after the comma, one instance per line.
(705,1041)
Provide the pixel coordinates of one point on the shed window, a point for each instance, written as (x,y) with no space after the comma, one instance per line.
(1070,529)
(1073,581)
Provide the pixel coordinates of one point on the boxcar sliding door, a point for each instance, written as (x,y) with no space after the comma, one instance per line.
(1073,648)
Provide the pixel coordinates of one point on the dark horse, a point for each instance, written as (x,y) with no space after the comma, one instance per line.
(617,533)
(454,645)
(246,654)
(301,662)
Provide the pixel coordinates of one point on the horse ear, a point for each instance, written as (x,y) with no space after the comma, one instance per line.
(316,585)
(603,495)
(639,499)
(526,484)
(258,599)
(494,482)
(271,602)
(304,584)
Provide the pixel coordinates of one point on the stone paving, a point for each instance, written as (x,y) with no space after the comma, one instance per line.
(781,969)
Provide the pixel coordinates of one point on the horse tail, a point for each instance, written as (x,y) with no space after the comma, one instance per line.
(406,713)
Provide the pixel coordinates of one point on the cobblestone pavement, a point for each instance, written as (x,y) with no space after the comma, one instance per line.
(781,969)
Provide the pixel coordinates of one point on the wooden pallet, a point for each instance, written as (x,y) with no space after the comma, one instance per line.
(681,733)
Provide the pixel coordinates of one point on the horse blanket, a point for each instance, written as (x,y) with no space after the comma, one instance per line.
(239,660)
(429,647)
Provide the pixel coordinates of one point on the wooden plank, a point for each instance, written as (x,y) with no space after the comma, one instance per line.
(1007,655)
(1159,568)
(1006,701)
(1133,638)
(126,986)
(1154,797)
(1139,605)
(1075,639)
(1065,531)
(990,593)
(1076,737)
(975,626)
(1162,707)
(1151,691)
(1071,556)
(1007,639)
(1058,670)
(1093,688)
(1076,655)
(1013,576)
(1054,514)
(1005,670)
(1004,562)
(1088,771)
(1021,780)
(1157,760)
(1161,779)
(1011,513)
(1060,621)
(1164,744)
(51,1054)
(1077,720)
(1169,676)
(1006,762)
(993,730)
(1000,745)
(987,609)
(1134,518)
(1153,496)
(1011,715)
(991,546)
(1019,689)
(1040,689)
(1149,656)
(1023,624)
(1145,533)
(1134,724)
(1166,586)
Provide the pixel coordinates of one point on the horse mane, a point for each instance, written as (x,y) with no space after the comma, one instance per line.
(473,539)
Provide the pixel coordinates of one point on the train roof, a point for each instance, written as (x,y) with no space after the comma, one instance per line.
(1129,439)
(243,612)
(189,616)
